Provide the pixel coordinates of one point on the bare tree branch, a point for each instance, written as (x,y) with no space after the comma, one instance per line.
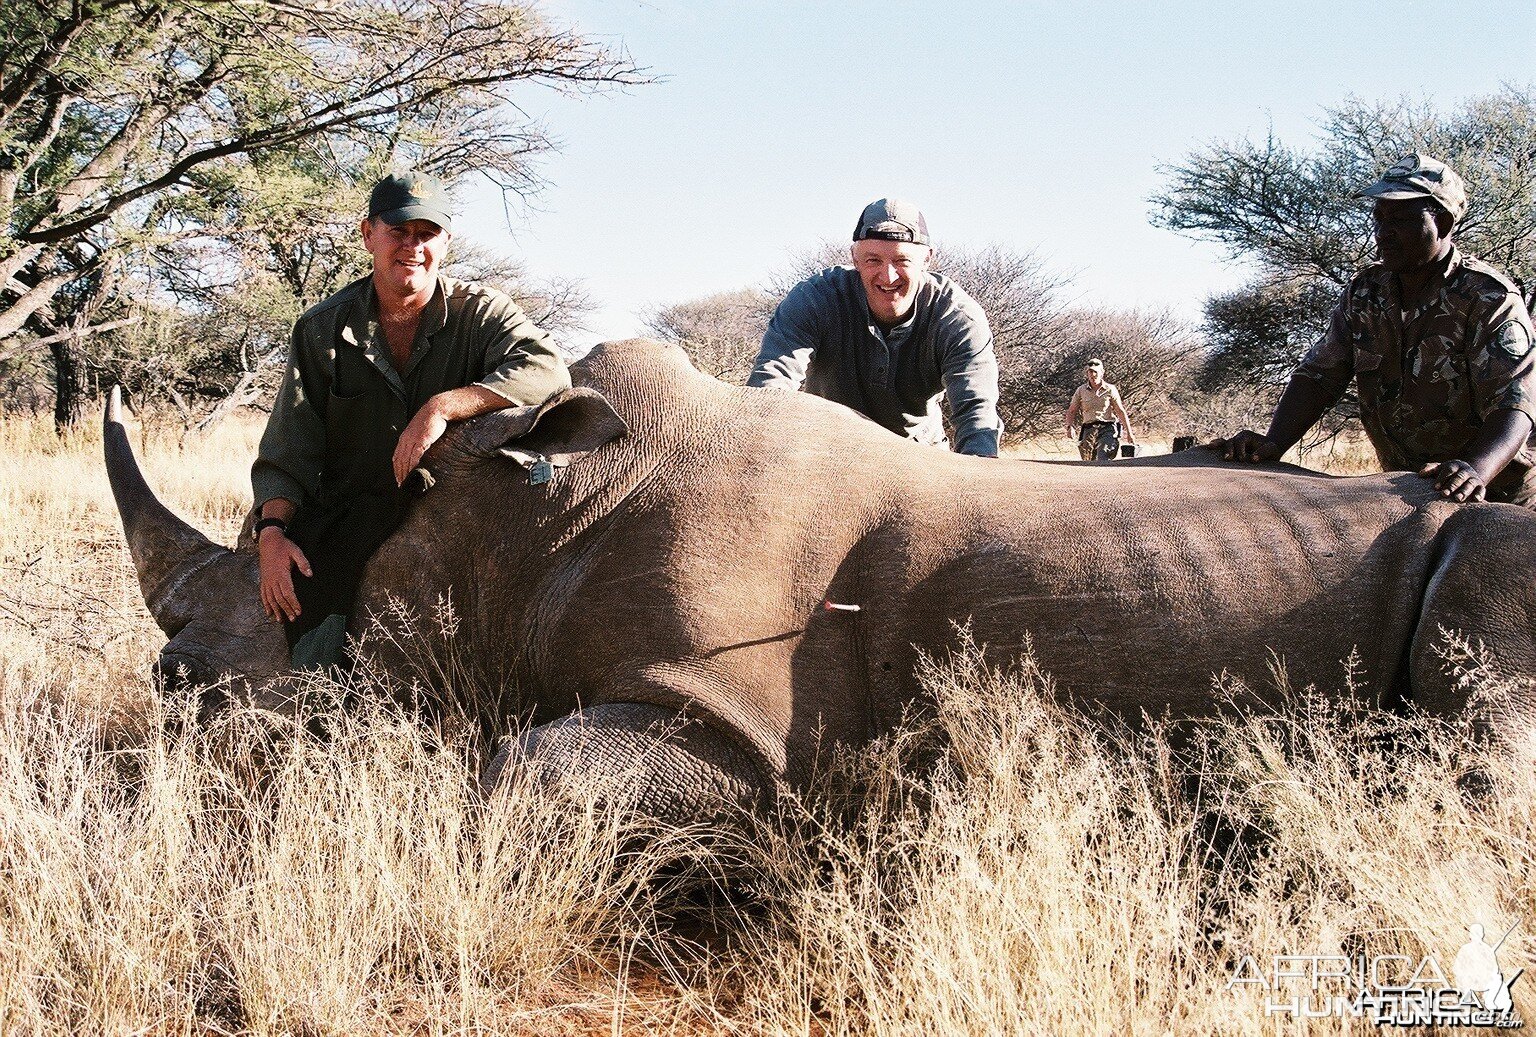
(32,345)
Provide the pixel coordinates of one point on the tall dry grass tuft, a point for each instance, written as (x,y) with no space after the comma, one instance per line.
(259,877)
(1001,865)
(1030,871)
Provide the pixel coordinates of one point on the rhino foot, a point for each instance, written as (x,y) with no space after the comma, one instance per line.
(649,759)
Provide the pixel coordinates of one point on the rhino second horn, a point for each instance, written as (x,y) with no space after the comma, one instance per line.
(168,553)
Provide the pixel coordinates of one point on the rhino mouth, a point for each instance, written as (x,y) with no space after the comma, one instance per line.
(191,688)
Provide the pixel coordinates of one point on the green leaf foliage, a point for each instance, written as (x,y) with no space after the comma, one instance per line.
(175,150)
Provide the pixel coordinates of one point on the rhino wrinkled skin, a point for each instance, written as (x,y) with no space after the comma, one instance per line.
(677,565)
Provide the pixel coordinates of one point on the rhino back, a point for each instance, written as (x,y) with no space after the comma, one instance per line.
(715,534)
(1137,585)
(723,563)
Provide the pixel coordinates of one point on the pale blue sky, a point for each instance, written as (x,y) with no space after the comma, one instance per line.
(1028,124)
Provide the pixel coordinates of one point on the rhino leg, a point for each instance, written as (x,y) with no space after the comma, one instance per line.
(677,770)
(1482,589)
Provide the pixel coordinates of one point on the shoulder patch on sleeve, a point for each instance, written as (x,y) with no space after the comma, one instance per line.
(1512,339)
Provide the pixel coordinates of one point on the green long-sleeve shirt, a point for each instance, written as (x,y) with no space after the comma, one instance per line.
(342,405)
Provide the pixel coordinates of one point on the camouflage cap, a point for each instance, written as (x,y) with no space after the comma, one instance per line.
(1419,176)
(411,196)
(1095,362)
(892,219)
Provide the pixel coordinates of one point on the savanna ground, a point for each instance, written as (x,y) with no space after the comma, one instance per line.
(1046,875)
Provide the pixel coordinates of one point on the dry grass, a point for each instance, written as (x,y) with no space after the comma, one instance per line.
(1015,868)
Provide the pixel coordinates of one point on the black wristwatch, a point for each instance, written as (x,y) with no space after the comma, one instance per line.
(268,523)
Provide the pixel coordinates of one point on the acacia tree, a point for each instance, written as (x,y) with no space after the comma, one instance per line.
(720,332)
(1255,334)
(1293,215)
(137,131)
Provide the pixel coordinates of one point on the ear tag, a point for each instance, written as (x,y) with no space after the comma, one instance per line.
(540,473)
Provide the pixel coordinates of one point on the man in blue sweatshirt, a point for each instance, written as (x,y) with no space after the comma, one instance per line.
(888,337)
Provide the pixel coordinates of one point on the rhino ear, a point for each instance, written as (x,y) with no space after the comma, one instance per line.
(564,428)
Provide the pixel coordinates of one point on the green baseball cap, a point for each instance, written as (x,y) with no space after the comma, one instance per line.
(1419,176)
(892,219)
(411,196)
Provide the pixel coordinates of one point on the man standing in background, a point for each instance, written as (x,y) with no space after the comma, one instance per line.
(887,337)
(1097,409)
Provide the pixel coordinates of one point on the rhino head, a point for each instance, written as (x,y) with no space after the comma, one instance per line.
(204,596)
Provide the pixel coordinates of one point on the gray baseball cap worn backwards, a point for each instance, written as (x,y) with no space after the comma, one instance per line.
(1419,176)
(410,196)
(892,219)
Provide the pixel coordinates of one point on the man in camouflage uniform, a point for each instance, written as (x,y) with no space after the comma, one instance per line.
(1097,410)
(1439,346)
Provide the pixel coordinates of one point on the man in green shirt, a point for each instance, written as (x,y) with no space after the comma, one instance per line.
(375,374)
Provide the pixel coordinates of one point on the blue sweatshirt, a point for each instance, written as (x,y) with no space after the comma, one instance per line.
(823,338)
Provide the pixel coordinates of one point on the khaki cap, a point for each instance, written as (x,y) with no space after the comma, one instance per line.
(1419,176)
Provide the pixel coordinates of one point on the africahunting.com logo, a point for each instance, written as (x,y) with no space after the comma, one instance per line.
(1387,989)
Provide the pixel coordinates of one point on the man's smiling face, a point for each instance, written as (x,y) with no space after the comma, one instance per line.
(406,255)
(891,272)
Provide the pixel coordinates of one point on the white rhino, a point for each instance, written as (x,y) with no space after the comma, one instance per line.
(695,558)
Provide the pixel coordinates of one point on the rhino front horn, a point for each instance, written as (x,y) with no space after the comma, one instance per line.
(168,553)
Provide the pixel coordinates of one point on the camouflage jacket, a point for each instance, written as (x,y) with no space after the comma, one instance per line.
(1428,378)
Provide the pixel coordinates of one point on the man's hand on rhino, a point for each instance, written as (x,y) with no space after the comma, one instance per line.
(1456,480)
(1466,478)
(279,557)
(1250,447)
(426,428)
(431,421)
